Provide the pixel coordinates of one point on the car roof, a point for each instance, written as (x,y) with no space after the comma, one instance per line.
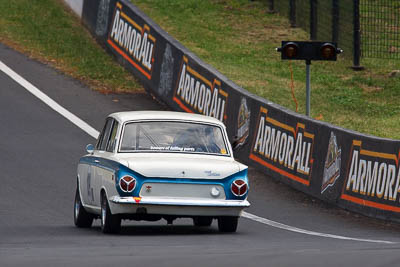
(163,115)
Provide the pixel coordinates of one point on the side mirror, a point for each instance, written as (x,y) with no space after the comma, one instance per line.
(90,148)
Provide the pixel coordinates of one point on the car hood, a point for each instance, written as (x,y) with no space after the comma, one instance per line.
(193,167)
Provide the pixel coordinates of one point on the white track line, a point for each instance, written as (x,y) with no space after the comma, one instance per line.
(307,232)
(47,100)
(94,133)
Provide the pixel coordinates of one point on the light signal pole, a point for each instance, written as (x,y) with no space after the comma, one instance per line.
(298,50)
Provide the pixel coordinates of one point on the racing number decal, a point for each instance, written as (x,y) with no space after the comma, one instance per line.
(89,185)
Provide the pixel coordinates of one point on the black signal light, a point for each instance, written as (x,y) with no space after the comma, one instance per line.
(300,50)
(290,50)
(328,51)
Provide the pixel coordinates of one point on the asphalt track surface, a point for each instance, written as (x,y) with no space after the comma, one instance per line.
(39,151)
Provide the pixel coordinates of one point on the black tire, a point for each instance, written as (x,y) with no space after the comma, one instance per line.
(228,224)
(202,221)
(82,218)
(110,224)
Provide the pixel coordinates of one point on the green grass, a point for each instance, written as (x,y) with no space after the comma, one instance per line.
(238,37)
(48,31)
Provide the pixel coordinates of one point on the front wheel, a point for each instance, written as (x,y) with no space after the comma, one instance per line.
(82,218)
(110,224)
(227,224)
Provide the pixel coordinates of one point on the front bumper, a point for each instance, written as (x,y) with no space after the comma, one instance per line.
(178,206)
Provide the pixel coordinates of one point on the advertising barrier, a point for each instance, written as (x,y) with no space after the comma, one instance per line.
(352,170)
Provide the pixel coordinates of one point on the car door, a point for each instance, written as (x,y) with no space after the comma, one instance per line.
(110,166)
(103,167)
(98,164)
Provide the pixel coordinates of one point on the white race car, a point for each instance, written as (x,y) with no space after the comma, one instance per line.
(149,165)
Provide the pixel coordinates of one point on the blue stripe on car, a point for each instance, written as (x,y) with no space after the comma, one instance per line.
(121,171)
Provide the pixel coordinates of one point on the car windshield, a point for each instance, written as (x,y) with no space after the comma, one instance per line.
(170,136)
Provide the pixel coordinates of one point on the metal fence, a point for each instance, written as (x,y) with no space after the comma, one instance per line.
(362,28)
(380,28)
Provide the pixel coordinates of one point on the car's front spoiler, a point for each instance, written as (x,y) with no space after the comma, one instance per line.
(181,202)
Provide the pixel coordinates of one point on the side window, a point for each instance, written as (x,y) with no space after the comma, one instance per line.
(105,134)
(113,138)
(98,142)
(128,140)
